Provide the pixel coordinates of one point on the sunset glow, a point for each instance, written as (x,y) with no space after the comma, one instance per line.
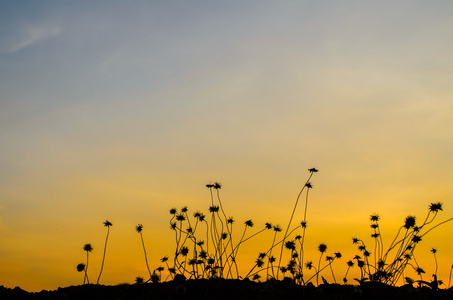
(121,111)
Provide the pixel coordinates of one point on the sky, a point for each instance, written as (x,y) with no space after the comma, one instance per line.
(122,110)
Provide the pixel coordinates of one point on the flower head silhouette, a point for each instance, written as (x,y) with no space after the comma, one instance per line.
(213,208)
(313,170)
(322,248)
(139,280)
(435,207)
(180,217)
(409,222)
(259,262)
(374,217)
(290,245)
(184,251)
(88,248)
(81,267)
(249,223)
(416,239)
(172,226)
(360,263)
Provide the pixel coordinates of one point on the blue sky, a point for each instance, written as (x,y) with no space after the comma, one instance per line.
(122,110)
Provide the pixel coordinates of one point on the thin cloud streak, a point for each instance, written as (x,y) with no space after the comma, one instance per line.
(28,35)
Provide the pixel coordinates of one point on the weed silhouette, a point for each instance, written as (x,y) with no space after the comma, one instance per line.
(205,248)
(88,248)
(139,229)
(106,224)
(81,268)
(389,266)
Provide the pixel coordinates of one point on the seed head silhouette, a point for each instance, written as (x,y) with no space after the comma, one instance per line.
(435,207)
(409,222)
(249,223)
(81,267)
(416,239)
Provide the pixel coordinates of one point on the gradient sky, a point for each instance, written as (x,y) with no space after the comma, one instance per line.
(121,110)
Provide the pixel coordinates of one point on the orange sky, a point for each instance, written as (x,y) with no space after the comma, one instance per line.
(122,111)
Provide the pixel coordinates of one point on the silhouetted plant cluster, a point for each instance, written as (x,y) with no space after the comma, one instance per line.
(388,266)
(207,246)
(88,248)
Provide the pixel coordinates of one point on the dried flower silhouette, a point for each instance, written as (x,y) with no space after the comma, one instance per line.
(81,268)
(390,270)
(322,249)
(106,224)
(139,229)
(88,248)
(207,246)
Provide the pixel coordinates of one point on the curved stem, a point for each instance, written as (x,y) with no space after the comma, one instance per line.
(103,257)
(144,250)
(290,220)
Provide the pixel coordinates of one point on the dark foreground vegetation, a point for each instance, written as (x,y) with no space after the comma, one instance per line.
(232,289)
(204,263)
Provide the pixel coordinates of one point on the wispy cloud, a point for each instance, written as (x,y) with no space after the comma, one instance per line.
(26,36)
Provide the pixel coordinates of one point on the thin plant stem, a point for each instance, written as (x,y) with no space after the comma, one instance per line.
(290,221)
(103,257)
(144,250)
